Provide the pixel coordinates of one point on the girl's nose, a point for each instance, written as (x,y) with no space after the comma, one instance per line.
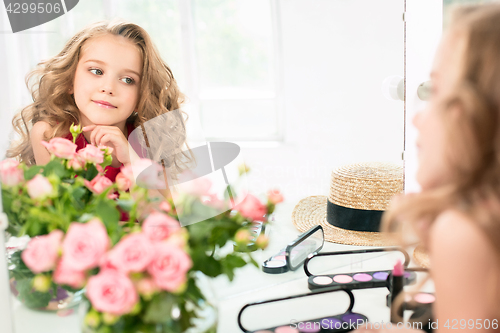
(417,119)
(107,88)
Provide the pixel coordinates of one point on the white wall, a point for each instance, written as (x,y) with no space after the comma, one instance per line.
(336,56)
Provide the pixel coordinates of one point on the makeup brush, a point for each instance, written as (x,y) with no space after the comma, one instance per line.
(397,288)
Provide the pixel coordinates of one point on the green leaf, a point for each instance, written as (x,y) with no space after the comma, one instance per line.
(57,168)
(32,172)
(230,263)
(106,210)
(126,205)
(91,172)
(234,261)
(78,193)
(159,309)
(18,269)
(193,292)
(206,264)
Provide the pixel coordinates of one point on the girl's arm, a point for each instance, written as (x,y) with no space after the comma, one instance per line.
(465,273)
(42,156)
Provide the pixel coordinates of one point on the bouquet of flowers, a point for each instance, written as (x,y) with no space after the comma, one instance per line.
(140,274)
(39,199)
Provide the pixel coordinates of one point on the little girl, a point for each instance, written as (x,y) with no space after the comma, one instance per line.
(457,213)
(110,79)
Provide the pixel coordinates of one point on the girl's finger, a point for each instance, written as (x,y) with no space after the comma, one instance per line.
(88,128)
(93,135)
(99,136)
(106,138)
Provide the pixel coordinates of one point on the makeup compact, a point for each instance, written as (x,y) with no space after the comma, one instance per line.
(357,280)
(293,256)
(305,313)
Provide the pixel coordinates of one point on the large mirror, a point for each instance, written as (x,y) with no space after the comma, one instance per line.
(303,86)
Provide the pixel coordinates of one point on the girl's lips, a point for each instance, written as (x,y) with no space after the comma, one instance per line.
(104,104)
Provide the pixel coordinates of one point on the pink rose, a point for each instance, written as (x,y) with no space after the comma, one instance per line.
(105,262)
(159,226)
(128,172)
(123,182)
(165,206)
(68,276)
(84,245)
(10,173)
(76,163)
(169,266)
(146,287)
(91,154)
(178,238)
(274,196)
(132,253)
(148,174)
(42,252)
(111,291)
(252,208)
(99,169)
(98,184)
(39,187)
(60,147)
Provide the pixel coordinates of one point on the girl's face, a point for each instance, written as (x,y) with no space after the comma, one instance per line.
(107,81)
(434,168)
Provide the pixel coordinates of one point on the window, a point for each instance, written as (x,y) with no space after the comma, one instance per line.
(223,53)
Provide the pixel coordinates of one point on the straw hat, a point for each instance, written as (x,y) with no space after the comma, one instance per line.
(359,193)
(421,257)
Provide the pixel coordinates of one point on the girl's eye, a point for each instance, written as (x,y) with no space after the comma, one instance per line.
(96,71)
(128,80)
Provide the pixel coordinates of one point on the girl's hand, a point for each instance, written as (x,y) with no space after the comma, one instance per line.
(110,136)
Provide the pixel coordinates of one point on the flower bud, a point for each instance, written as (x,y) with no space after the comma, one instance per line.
(92,319)
(243,237)
(146,287)
(41,283)
(109,319)
(262,241)
(243,168)
(75,130)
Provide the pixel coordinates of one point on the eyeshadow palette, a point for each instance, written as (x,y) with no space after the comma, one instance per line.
(345,322)
(359,280)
